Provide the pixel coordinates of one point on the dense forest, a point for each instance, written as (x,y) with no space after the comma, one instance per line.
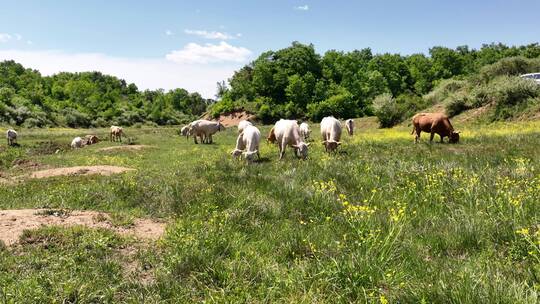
(296,82)
(88,99)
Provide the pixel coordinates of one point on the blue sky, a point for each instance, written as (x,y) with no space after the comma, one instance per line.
(197,43)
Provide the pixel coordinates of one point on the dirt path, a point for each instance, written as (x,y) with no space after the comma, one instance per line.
(14,222)
(79,170)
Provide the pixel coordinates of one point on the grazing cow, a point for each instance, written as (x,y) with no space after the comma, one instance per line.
(76,143)
(205,128)
(90,140)
(287,133)
(304,130)
(249,141)
(243,124)
(434,123)
(116,133)
(271,138)
(331,133)
(11,136)
(349,125)
(185,131)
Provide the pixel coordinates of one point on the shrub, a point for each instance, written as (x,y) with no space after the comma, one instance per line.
(341,106)
(387,110)
(75,119)
(512,66)
(456,103)
(443,90)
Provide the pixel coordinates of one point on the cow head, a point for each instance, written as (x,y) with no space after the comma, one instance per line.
(236,152)
(301,150)
(220,126)
(331,145)
(271,138)
(454,137)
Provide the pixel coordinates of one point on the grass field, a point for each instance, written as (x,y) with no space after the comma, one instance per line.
(382,221)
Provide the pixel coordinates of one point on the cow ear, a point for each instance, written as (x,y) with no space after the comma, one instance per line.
(295,146)
(307,144)
(338,143)
(458,132)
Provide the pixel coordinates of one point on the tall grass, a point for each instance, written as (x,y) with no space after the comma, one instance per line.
(383,220)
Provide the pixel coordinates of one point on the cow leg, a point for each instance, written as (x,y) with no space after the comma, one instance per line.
(417,136)
(211,140)
(282,147)
(120,137)
(195,139)
(431,137)
(442,141)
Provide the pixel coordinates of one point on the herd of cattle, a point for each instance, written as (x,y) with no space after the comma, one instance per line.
(285,133)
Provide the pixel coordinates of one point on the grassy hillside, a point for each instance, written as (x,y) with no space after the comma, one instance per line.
(495,93)
(383,220)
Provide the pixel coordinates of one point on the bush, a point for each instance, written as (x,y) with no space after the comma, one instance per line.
(456,103)
(340,106)
(443,90)
(387,110)
(75,119)
(513,66)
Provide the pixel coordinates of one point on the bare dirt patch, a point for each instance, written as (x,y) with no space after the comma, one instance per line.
(125,148)
(79,170)
(234,118)
(14,222)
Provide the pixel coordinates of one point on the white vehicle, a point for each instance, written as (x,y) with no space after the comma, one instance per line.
(533,76)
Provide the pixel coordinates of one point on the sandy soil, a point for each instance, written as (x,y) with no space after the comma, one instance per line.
(234,118)
(79,170)
(14,222)
(126,147)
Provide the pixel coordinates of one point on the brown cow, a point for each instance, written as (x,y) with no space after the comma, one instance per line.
(90,140)
(271,138)
(434,123)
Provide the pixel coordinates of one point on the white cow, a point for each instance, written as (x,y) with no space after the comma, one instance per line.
(287,133)
(243,124)
(249,141)
(11,136)
(304,130)
(185,131)
(76,143)
(116,133)
(205,129)
(331,133)
(349,125)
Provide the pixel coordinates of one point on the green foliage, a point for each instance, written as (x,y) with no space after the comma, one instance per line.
(496,87)
(296,82)
(456,103)
(87,99)
(513,66)
(391,111)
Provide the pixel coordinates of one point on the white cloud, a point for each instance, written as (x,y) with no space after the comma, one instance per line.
(29,42)
(4,37)
(209,34)
(304,7)
(18,37)
(168,33)
(145,73)
(209,53)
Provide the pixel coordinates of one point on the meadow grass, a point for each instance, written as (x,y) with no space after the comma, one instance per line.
(384,220)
